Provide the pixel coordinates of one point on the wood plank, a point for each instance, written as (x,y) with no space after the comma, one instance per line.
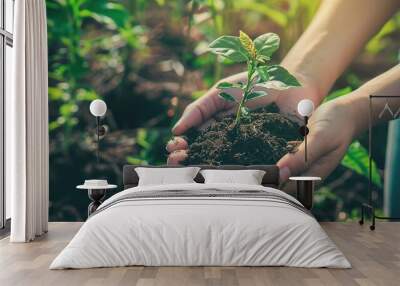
(375,257)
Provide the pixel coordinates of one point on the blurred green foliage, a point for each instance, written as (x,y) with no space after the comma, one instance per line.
(148,59)
(357,159)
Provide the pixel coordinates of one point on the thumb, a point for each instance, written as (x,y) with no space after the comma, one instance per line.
(191,117)
(293,164)
(199,111)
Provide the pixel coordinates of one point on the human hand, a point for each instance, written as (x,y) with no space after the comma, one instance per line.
(332,129)
(198,113)
(204,108)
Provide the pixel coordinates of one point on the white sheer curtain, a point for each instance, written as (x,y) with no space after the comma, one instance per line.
(27,148)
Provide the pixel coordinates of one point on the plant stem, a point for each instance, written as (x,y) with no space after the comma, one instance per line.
(246,90)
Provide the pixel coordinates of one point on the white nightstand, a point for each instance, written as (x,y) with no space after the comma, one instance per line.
(97,190)
(305,190)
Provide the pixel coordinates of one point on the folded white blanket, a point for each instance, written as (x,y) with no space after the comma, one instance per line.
(201,224)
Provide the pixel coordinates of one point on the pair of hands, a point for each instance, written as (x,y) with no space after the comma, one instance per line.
(331,129)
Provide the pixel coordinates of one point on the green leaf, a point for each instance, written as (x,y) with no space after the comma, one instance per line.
(142,137)
(245,111)
(53,125)
(267,44)
(280,78)
(223,85)
(108,13)
(136,161)
(56,93)
(248,44)
(255,94)
(338,93)
(279,73)
(263,59)
(357,159)
(263,74)
(86,95)
(229,47)
(67,109)
(227,96)
(378,42)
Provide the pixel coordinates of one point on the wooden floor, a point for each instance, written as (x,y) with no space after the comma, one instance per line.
(375,257)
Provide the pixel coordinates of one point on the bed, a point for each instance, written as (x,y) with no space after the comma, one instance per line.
(198,224)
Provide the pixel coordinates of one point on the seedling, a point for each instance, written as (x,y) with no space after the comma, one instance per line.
(256,54)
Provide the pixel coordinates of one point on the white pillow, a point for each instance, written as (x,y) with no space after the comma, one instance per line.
(248,177)
(163,176)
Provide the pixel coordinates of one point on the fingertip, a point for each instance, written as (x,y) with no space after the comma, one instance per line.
(176,130)
(177,143)
(176,157)
(284,174)
(282,161)
(289,165)
(181,126)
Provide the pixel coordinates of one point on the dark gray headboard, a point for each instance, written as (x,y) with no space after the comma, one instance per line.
(271,177)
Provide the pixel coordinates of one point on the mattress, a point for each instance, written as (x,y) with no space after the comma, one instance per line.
(201,225)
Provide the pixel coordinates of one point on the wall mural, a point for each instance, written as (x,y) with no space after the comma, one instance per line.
(148,60)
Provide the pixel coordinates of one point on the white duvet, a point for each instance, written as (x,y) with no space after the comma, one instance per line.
(200,231)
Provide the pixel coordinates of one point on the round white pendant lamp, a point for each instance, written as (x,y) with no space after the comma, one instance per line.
(98,108)
(305,108)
